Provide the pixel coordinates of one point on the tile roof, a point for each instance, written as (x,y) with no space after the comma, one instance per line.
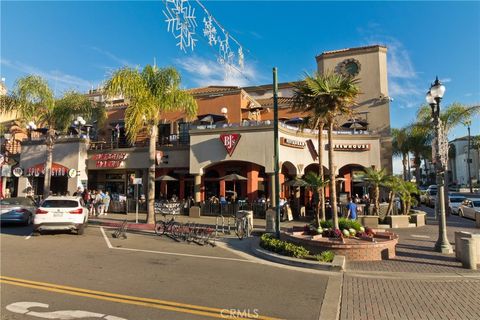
(352,49)
(269,101)
(212,89)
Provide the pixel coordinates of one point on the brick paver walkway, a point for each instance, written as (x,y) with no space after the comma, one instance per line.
(415,249)
(398,299)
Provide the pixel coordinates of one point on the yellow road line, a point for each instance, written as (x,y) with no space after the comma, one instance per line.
(146,302)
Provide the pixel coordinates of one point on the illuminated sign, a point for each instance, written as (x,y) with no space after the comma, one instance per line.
(230,141)
(109,160)
(351,147)
(292,143)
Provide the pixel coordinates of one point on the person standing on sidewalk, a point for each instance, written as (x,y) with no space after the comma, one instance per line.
(351,209)
(106,202)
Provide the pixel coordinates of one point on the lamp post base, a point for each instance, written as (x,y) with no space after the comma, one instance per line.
(443,247)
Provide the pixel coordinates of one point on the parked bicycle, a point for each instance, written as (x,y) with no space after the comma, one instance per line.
(242,225)
(168,227)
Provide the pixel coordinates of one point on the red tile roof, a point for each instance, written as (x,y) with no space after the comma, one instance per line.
(269,101)
(352,49)
(212,89)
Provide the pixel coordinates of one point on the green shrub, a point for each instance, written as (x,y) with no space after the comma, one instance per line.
(268,242)
(326,224)
(325,256)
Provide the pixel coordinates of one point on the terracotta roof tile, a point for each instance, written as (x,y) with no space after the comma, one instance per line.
(351,49)
(269,101)
(212,89)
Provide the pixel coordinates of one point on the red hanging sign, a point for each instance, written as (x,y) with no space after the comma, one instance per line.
(230,141)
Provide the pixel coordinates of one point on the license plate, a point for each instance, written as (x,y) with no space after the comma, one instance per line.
(58,214)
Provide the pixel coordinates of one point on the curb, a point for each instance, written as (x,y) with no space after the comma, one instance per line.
(337,265)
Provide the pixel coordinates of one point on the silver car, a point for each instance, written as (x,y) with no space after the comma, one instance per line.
(17,210)
(454,202)
(469,208)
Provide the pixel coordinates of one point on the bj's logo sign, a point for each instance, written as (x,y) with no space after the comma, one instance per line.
(230,141)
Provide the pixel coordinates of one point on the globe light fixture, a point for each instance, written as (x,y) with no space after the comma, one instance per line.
(433,98)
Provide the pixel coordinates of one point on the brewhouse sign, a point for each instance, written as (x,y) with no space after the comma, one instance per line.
(351,147)
(230,141)
(109,160)
(292,143)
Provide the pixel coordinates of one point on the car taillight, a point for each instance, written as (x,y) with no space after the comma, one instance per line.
(40,211)
(77,211)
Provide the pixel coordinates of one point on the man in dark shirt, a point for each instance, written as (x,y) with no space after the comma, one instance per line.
(352,209)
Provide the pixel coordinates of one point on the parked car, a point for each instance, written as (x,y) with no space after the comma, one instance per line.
(61,213)
(431,198)
(469,207)
(17,210)
(454,202)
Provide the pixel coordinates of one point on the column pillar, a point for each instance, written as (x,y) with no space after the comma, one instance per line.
(271,188)
(221,172)
(197,181)
(348,183)
(252,183)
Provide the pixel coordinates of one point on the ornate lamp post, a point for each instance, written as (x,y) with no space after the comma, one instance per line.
(31,126)
(434,96)
(79,123)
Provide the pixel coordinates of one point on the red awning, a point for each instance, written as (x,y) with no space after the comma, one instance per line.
(39,170)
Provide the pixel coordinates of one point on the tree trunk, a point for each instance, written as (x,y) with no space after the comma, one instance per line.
(151,174)
(321,197)
(404,163)
(417,168)
(333,190)
(376,205)
(49,142)
(391,198)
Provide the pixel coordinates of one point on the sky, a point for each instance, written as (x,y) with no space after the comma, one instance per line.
(77,45)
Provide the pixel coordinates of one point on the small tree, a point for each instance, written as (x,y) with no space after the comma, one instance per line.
(409,189)
(317,184)
(376,179)
(395,184)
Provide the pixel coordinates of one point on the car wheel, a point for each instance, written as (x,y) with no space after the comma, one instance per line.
(81,230)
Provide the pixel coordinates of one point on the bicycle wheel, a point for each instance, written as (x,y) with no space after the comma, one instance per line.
(160,228)
(239,229)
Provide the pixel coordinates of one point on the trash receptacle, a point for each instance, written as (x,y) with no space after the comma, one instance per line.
(270,220)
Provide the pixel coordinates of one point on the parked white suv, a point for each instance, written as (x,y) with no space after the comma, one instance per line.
(61,213)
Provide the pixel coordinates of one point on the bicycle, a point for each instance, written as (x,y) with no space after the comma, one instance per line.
(170,227)
(242,226)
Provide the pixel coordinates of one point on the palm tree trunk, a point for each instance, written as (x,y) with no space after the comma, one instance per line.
(418,161)
(333,190)
(376,207)
(151,174)
(404,163)
(391,197)
(321,198)
(48,163)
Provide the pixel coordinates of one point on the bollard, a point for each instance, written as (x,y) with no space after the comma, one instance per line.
(458,243)
(469,251)
(270,220)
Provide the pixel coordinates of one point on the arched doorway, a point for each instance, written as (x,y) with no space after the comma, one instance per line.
(353,180)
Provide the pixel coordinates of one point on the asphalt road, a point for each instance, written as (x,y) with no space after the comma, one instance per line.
(93,276)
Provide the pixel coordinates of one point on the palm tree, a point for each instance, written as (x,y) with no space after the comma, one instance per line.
(419,143)
(376,179)
(395,186)
(401,147)
(33,100)
(334,96)
(317,184)
(151,93)
(406,194)
(305,100)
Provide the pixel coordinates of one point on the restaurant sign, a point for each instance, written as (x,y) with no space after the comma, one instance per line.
(109,160)
(39,170)
(292,143)
(351,147)
(230,141)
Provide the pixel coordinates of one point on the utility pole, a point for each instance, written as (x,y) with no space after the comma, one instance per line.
(276,157)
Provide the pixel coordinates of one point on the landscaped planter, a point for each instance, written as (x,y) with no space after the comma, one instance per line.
(418,219)
(368,221)
(398,221)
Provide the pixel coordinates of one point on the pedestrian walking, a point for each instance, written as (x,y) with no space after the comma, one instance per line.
(106,202)
(351,209)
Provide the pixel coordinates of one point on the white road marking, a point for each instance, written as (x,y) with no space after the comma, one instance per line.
(419,236)
(106,238)
(29,236)
(22,308)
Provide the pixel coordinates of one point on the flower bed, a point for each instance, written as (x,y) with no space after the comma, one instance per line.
(270,243)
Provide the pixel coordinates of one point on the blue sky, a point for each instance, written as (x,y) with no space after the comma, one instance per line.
(77,44)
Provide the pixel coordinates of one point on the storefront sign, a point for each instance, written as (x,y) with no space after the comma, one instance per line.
(17,172)
(292,143)
(109,160)
(57,170)
(351,147)
(72,173)
(230,141)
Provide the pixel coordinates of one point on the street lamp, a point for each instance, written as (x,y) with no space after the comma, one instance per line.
(434,96)
(79,123)
(31,126)
(469,161)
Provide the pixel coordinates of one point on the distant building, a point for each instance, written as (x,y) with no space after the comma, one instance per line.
(458,162)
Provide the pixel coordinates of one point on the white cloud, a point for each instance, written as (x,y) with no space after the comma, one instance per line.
(205,72)
(59,81)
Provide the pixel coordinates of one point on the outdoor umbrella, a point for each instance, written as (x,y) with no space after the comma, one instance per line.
(296,183)
(233,177)
(211,118)
(355,124)
(165,178)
